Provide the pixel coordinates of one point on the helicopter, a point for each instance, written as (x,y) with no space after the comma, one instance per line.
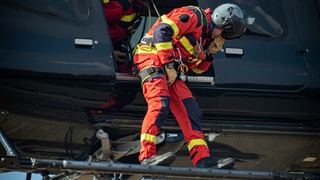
(63,100)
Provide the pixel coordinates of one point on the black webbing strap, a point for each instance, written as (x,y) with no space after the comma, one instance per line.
(144,74)
(204,22)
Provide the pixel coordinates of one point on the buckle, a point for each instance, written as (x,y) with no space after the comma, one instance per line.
(147,40)
(151,70)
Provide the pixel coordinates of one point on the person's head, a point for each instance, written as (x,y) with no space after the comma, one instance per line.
(228,21)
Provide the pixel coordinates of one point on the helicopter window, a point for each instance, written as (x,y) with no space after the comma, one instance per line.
(269,16)
(71,10)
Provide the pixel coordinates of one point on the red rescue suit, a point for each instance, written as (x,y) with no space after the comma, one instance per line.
(175,36)
(121,16)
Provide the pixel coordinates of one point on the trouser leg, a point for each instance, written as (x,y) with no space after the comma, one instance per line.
(189,116)
(156,95)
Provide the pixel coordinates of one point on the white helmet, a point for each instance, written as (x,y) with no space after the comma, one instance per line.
(230,17)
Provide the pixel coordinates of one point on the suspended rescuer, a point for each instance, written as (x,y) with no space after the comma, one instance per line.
(181,41)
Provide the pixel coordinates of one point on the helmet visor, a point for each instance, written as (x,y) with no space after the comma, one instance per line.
(234,28)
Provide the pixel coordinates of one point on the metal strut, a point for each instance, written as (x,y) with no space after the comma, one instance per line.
(11,150)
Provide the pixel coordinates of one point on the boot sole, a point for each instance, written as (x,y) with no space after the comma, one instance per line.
(226,164)
(165,160)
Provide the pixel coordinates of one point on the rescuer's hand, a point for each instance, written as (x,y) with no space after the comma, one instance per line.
(171,76)
(170,72)
(119,56)
(216,45)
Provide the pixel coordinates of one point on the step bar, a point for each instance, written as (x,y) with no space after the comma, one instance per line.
(33,164)
(191,79)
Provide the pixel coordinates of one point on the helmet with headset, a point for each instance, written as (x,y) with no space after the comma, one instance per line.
(231,18)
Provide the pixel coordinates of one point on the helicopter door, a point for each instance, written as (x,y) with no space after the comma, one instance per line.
(308,26)
(68,38)
(55,50)
(251,71)
(265,57)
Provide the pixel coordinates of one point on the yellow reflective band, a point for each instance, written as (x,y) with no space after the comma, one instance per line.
(172,24)
(148,137)
(143,49)
(185,42)
(196,142)
(164,45)
(128,18)
(197,71)
(105,1)
(198,62)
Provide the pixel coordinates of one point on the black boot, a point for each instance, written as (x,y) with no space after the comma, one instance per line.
(162,160)
(210,162)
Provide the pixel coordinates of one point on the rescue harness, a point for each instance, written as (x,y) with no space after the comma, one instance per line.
(147,43)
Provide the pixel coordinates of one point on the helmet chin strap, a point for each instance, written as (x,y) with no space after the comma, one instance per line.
(211,28)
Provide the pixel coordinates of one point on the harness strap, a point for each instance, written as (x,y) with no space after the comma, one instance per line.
(204,21)
(147,72)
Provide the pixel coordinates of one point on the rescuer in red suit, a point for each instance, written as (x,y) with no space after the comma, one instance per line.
(181,41)
(123,18)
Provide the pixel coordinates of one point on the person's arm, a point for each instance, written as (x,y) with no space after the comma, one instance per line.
(177,23)
(113,11)
(214,47)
